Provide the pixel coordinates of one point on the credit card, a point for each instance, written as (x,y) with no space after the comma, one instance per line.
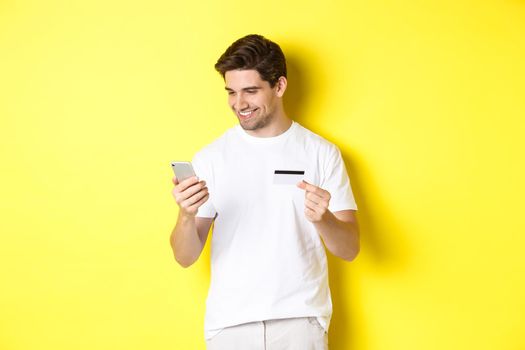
(287,177)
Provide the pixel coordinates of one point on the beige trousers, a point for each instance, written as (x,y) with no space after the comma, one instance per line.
(303,333)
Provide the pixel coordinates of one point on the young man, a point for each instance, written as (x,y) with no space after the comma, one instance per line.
(277,192)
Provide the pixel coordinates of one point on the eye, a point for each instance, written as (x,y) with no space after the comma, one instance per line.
(251,91)
(231,93)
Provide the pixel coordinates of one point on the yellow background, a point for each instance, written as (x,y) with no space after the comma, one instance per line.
(424,98)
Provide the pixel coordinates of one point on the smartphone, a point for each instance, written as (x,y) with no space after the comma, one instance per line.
(182,170)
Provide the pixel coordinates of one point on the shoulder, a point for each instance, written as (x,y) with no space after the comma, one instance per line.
(316,142)
(214,148)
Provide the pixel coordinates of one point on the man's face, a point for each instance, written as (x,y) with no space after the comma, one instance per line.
(252,99)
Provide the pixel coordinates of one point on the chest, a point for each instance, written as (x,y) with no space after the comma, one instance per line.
(264,179)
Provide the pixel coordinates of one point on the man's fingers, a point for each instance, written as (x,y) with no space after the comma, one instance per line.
(196,205)
(320,207)
(187,184)
(322,201)
(192,200)
(181,196)
(308,187)
(310,214)
(310,204)
(183,185)
(313,197)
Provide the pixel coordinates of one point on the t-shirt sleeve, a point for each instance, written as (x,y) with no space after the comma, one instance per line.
(203,170)
(337,182)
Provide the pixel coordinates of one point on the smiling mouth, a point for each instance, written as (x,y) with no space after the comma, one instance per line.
(246,114)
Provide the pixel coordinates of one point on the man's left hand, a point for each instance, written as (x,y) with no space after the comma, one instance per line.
(316,201)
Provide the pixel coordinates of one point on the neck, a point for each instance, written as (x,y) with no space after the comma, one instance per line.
(279,125)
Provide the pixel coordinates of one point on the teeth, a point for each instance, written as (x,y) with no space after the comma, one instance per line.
(245,113)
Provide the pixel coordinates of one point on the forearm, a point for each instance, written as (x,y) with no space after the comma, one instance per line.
(185,241)
(340,238)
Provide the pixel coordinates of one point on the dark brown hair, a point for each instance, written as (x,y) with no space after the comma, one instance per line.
(254,52)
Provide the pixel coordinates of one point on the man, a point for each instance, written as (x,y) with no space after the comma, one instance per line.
(269,279)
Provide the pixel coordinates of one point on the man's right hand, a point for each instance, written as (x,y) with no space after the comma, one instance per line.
(190,194)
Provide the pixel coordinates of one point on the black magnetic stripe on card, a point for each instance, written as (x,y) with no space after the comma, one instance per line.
(289,172)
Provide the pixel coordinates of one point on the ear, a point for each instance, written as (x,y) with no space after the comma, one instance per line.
(280,86)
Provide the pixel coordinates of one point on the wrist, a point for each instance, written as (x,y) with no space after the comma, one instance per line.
(185,216)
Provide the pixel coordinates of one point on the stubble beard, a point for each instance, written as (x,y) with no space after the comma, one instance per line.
(259,123)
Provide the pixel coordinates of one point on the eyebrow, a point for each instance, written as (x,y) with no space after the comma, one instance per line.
(244,89)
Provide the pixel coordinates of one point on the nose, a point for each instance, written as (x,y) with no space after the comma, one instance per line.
(240,103)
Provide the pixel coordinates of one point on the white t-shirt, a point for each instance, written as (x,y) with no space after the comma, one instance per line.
(267,259)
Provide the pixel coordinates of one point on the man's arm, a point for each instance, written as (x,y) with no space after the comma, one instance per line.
(339,230)
(340,233)
(188,238)
(190,232)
